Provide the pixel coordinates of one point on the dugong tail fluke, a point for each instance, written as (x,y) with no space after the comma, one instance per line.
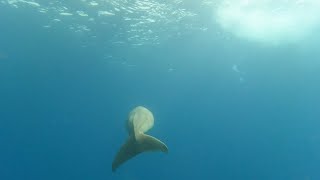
(140,121)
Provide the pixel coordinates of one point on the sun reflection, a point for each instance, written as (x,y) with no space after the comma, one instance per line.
(269,21)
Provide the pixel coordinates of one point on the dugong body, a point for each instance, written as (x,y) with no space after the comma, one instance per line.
(140,121)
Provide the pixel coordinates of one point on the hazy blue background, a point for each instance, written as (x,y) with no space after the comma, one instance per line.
(227,108)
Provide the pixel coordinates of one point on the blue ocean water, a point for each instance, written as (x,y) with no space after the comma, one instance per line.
(229,106)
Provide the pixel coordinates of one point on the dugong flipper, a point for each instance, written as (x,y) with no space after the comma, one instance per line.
(140,121)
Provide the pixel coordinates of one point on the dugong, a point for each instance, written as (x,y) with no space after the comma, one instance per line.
(140,121)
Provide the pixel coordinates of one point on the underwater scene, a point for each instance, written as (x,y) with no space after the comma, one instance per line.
(160,89)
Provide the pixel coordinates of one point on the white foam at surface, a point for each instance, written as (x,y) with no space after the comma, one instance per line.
(31,3)
(81,13)
(138,21)
(56,20)
(93,3)
(65,14)
(105,13)
(15,2)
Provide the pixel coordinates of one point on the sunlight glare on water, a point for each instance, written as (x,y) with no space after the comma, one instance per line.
(269,21)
